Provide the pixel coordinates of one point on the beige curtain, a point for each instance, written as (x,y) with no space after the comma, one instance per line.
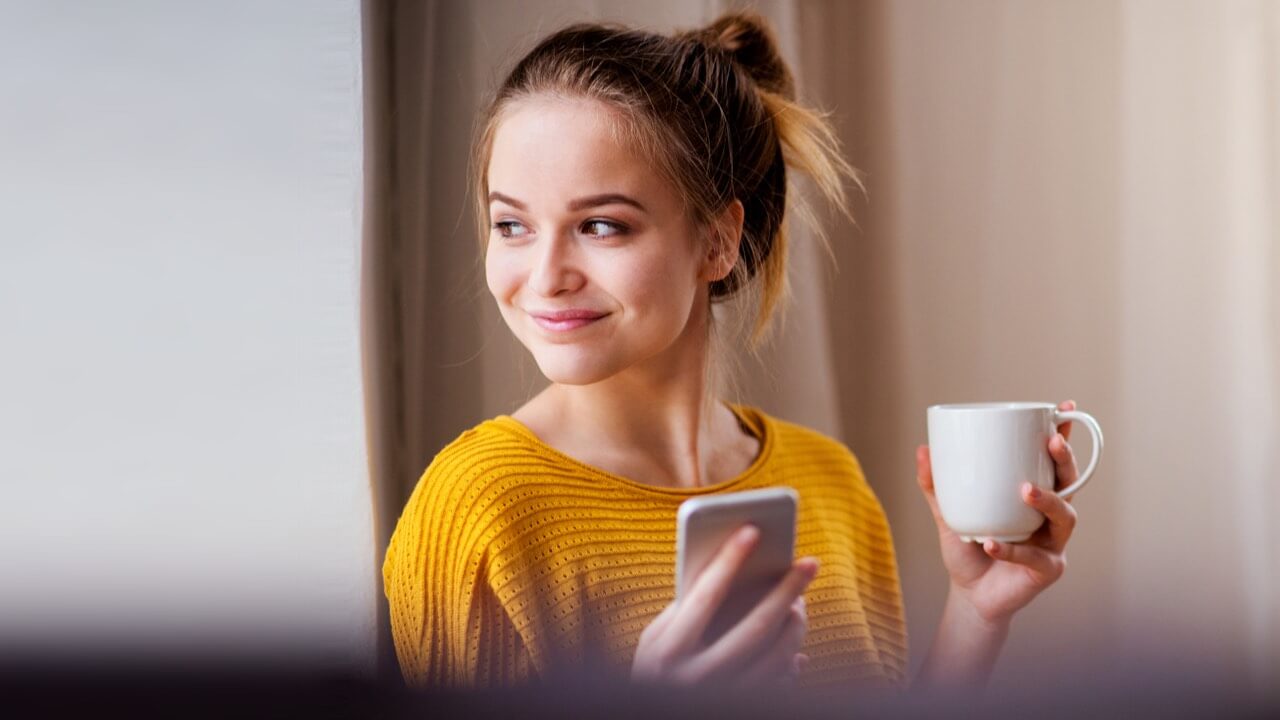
(1066,200)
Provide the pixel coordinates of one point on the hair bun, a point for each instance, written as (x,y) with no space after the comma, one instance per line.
(749,41)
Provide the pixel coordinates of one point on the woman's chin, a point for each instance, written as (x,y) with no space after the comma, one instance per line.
(573,371)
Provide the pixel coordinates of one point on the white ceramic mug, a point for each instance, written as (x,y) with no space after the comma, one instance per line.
(981,453)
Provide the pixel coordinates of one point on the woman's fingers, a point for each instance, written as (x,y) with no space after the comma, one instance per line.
(708,591)
(758,627)
(1045,565)
(1062,517)
(779,661)
(1065,428)
(659,623)
(1064,461)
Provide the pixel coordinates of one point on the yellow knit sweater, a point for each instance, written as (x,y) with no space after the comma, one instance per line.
(512,560)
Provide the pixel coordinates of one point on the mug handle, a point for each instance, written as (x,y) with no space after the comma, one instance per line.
(1060,416)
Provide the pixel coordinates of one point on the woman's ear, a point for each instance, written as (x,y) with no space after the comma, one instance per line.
(722,246)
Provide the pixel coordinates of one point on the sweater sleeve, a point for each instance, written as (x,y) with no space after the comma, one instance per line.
(449,628)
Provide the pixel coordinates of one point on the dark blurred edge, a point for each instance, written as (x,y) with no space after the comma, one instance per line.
(194,689)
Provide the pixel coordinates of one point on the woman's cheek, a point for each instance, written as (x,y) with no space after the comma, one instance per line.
(501,275)
(657,293)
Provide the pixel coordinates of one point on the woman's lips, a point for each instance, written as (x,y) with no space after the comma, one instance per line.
(564,325)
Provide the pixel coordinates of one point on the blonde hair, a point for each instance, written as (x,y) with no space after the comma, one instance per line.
(715,109)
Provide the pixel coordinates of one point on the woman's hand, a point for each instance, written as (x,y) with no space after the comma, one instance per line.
(762,647)
(998,578)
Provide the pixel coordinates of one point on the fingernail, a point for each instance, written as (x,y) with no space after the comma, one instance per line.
(808,566)
(992,547)
(1032,491)
(747,535)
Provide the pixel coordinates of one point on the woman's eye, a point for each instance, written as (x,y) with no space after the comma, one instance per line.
(602,228)
(510,228)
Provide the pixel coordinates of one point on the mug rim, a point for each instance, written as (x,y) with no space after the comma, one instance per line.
(990,406)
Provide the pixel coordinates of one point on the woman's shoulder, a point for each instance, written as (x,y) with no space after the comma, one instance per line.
(473,482)
(829,475)
(483,459)
(487,443)
(796,441)
(807,456)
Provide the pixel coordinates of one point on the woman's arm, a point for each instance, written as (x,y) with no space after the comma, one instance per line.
(448,626)
(964,649)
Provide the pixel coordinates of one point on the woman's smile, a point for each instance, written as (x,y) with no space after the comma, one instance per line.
(566,323)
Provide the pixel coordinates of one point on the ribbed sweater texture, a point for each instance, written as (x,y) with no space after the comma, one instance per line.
(513,561)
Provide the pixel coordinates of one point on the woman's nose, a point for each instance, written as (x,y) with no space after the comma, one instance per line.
(555,266)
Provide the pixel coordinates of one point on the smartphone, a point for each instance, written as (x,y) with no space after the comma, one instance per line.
(703,524)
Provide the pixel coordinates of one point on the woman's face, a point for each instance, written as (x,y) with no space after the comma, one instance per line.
(580,223)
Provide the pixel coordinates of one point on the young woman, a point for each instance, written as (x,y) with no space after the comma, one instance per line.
(628,181)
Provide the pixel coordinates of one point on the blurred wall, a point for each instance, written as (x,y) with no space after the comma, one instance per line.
(986,268)
(183,459)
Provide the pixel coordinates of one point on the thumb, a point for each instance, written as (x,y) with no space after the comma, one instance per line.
(924,478)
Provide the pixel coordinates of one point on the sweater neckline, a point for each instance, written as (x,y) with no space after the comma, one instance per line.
(758,422)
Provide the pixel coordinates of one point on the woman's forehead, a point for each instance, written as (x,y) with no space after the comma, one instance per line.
(565,113)
(552,146)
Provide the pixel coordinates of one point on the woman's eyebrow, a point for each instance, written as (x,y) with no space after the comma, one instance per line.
(581,203)
(606,199)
